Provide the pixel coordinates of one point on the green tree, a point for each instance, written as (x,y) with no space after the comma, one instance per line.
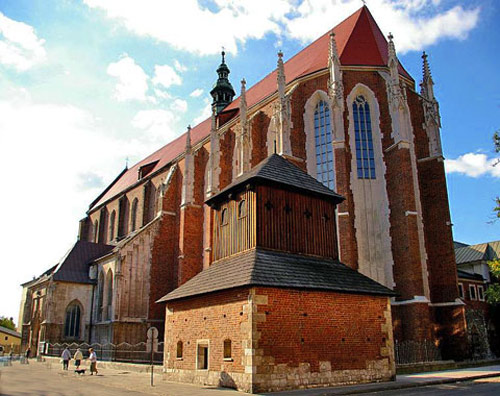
(493,292)
(7,322)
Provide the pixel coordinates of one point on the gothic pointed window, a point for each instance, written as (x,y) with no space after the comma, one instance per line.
(133,215)
(72,322)
(365,161)
(323,141)
(112,220)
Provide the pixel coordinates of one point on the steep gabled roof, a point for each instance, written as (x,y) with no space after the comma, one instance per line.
(74,266)
(278,171)
(261,267)
(360,42)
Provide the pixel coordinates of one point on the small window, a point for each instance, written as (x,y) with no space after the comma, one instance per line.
(472,292)
(480,293)
(223,217)
(242,208)
(461,290)
(179,349)
(227,349)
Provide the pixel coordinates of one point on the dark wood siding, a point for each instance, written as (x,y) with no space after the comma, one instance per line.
(296,223)
(238,233)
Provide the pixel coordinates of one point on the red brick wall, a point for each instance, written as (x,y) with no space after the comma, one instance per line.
(260,125)
(314,326)
(164,250)
(214,317)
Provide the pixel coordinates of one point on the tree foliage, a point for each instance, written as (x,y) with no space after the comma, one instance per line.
(7,322)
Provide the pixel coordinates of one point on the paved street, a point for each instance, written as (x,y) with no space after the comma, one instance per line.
(482,387)
(38,379)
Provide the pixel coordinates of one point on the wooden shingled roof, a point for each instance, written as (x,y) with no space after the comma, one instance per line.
(278,171)
(360,42)
(262,267)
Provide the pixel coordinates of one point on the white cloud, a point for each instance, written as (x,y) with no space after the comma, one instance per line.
(179,106)
(415,23)
(196,93)
(206,112)
(473,165)
(226,23)
(158,124)
(166,76)
(132,80)
(179,67)
(67,154)
(20,47)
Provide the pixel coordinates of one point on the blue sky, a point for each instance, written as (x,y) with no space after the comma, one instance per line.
(86,84)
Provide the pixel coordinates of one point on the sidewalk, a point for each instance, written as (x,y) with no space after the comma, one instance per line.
(403,382)
(42,379)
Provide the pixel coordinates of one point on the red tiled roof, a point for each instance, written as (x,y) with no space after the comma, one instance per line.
(360,42)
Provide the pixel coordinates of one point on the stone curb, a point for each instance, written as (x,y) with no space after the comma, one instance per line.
(407,385)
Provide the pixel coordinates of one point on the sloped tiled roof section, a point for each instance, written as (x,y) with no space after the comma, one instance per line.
(13,333)
(360,42)
(466,275)
(74,267)
(480,252)
(261,267)
(276,170)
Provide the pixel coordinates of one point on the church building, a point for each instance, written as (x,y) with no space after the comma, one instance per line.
(291,238)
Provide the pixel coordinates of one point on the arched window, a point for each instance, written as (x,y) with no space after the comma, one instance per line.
(223,216)
(96,230)
(242,208)
(133,214)
(112,220)
(227,349)
(323,142)
(179,349)
(365,161)
(72,323)
(100,296)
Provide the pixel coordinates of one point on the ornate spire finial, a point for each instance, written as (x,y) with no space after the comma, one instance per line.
(223,53)
(426,87)
(391,48)
(188,139)
(335,86)
(281,76)
(243,103)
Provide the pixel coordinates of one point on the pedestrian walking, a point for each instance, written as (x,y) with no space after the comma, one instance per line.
(78,358)
(93,362)
(27,355)
(66,357)
(11,357)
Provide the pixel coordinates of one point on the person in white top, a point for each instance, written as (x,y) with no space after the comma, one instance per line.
(93,362)
(66,356)
(78,358)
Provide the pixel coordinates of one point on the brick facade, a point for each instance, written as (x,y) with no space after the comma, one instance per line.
(280,339)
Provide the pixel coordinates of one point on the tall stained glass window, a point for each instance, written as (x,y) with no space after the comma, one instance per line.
(72,323)
(364,141)
(323,140)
